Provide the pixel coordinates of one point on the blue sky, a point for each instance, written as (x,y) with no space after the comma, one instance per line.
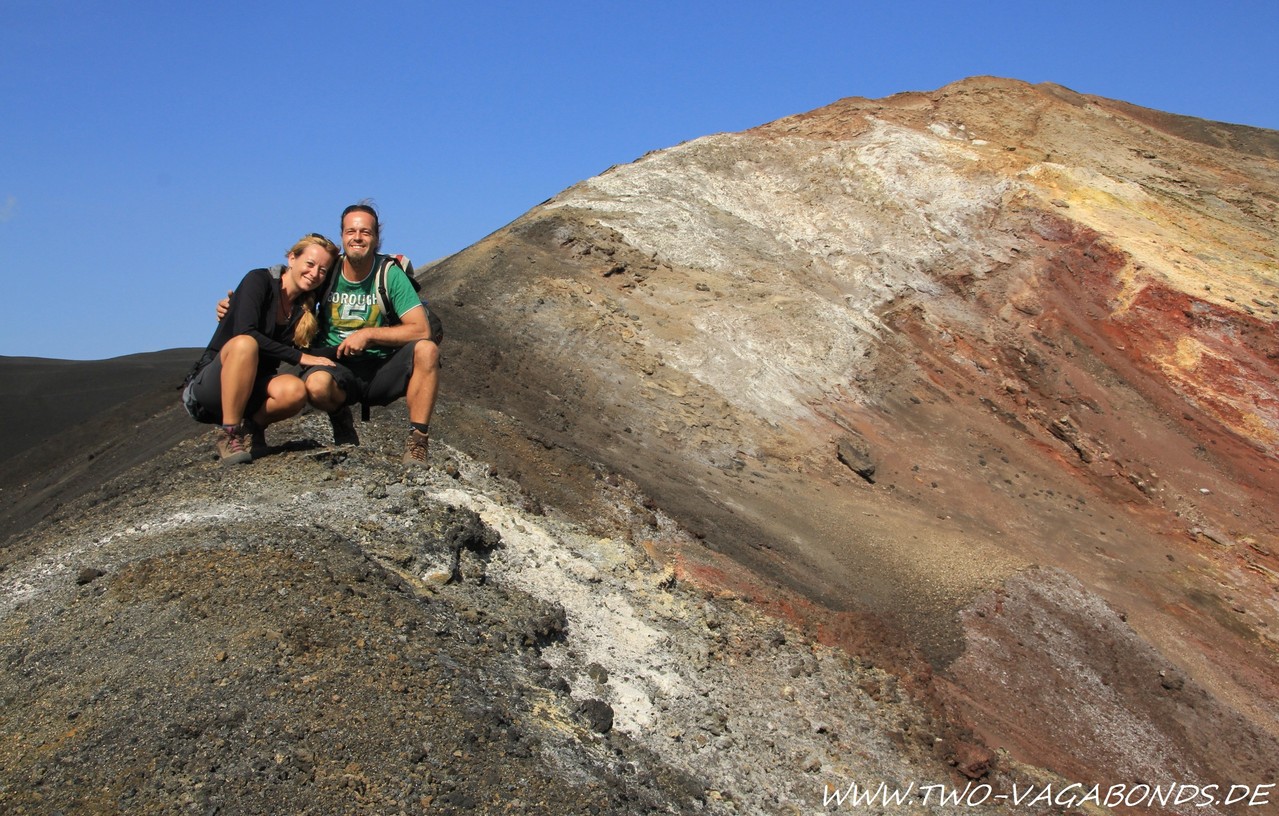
(153,152)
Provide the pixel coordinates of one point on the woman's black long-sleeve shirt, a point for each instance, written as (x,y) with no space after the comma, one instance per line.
(253,311)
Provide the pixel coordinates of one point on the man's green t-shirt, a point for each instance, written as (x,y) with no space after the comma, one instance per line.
(353,306)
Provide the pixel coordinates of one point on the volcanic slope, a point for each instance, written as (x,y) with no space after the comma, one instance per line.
(926,439)
(895,353)
(326,632)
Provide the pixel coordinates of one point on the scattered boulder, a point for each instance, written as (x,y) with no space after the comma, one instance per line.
(854,453)
(598,714)
(88,575)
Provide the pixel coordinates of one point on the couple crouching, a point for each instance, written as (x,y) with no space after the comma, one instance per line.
(352,322)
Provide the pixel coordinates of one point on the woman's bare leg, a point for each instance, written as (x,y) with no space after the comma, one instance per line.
(323,391)
(239,367)
(285,397)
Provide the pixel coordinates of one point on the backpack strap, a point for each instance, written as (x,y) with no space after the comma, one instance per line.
(407,265)
(384,263)
(388,310)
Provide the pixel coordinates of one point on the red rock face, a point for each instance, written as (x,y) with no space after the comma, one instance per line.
(1109,400)
(885,356)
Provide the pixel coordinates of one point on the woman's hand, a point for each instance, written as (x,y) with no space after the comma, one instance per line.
(224,305)
(312,360)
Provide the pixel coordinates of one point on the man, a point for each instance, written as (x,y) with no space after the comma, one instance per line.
(379,359)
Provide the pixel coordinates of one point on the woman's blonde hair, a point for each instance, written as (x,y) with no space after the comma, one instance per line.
(308,325)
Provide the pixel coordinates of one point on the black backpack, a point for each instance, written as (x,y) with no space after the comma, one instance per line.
(384,263)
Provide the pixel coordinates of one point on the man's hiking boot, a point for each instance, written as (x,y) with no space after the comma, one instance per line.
(233,445)
(344,427)
(415,448)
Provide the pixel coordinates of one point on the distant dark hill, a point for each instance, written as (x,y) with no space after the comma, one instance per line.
(74,424)
(44,397)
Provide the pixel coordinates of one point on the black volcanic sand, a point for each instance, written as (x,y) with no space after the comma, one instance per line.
(44,397)
(290,669)
(291,674)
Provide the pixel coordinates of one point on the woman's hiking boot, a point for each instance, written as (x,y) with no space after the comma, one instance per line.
(257,438)
(233,445)
(343,426)
(416,447)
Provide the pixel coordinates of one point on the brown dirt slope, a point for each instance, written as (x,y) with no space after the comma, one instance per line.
(1045,319)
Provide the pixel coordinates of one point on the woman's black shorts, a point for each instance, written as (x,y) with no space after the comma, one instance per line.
(202,395)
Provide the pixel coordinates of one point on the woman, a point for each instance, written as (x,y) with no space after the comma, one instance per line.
(271,318)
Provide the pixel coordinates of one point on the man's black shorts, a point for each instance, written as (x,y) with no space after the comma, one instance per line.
(371,380)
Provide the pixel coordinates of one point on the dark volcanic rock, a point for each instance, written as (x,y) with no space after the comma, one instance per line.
(272,639)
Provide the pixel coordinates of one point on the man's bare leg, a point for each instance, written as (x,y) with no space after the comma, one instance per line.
(424,383)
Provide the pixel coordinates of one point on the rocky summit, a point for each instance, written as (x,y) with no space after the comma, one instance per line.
(921,447)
